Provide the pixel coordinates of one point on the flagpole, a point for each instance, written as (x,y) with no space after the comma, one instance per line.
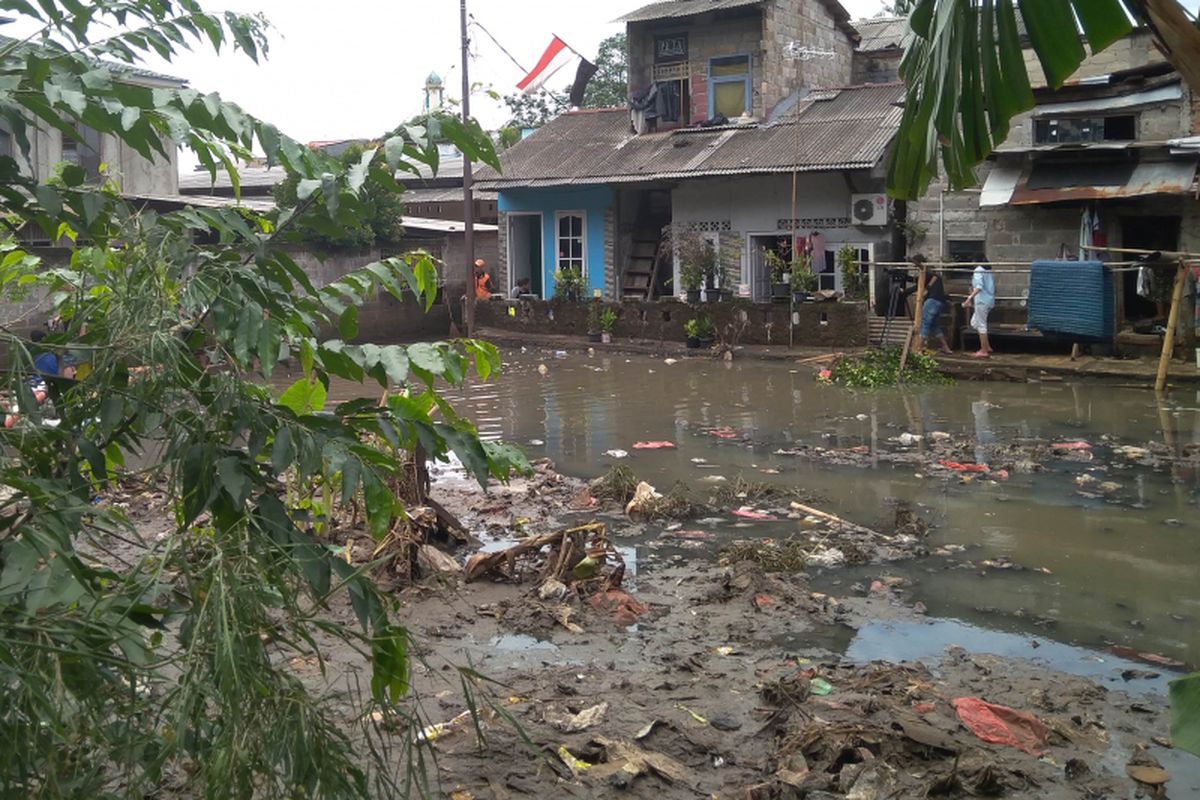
(572,49)
(468,195)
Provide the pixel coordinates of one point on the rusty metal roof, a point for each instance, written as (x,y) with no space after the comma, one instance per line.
(881,33)
(837,129)
(672,9)
(1056,182)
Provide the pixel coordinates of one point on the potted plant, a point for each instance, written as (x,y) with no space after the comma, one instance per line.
(705,331)
(593,322)
(568,283)
(608,321)
(691,332)
(854,281)
(803,280)
(779,268)
(691,278)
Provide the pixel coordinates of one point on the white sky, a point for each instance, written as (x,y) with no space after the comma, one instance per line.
(357,67)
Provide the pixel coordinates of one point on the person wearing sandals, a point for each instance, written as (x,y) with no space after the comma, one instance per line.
(936,301)
(983,296)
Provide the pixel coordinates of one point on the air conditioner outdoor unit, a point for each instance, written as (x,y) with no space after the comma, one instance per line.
(869,209)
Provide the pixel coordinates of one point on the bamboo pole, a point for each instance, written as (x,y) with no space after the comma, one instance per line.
(1166,254)
(1164,360)
(916,326)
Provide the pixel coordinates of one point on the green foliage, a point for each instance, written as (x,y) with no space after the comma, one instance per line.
(854,280)
(568,283)
(1185,713)
(777,265)
(699,327)
(966,77)
(691,276)
(609,87)
(876,368)
(608,320)
(802,277)
(127,663)
(378,223)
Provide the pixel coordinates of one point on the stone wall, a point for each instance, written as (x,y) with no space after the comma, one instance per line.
(809,23)
(878,67)
(830,325)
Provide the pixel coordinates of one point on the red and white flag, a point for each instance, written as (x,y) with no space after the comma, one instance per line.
(557,56)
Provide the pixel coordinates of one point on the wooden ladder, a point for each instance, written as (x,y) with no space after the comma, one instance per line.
(637,282)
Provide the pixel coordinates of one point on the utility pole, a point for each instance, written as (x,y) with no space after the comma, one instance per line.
(468,194)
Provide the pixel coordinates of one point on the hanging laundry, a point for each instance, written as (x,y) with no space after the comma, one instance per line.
(1143,282)
(669,102)
(816,241)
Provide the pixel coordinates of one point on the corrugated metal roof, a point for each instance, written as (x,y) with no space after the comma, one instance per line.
(881,33)
(852,129)
(451,195)
(120,70)
(670,9)
(200,182)
(201,201)
(1049,183)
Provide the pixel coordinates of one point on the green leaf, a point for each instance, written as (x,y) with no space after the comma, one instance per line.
(389,662)
(234,480)
(348,323)
(1185,713)
(1104,21)
(380,503)
(427,358)
(394,359)
(270,345)
(1055,37)
(304,397)
(282,451)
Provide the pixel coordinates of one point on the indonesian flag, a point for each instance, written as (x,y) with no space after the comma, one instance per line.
(557,56)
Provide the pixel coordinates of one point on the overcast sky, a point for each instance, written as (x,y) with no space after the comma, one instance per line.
(355,68)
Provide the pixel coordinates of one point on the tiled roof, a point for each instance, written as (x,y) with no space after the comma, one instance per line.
(831,129)
(881,33)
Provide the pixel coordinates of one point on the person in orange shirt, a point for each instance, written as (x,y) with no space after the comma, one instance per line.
(483,281)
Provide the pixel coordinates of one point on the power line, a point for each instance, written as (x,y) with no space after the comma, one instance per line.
(475,23)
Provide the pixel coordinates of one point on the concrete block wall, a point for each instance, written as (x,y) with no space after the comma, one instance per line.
(831,325)
(883,67)
(1136,50)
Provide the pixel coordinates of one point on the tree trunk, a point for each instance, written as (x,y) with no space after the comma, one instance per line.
(1178,37)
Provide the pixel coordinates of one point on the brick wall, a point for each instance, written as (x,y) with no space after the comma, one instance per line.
(1136,50)
(610,253)
(881,67)
(829,325)
(501,272)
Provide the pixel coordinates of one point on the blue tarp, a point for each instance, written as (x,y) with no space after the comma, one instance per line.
(1075,299)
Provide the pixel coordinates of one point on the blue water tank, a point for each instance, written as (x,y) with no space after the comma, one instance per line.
(1073,299)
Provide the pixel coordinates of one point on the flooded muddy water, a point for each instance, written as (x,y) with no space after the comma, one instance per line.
(1118,567)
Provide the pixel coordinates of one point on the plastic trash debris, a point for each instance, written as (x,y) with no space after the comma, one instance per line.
(820,687)
(940,436)
(958,467)
(625,609)
(552,589)
(725,650)
(434,562)
(745,512)
(670,361)
(693,714)
(432,733)
(648,729)
(714,479)
(616,453)
(543,370)
(1071,446)
(1151,776)
(653,445)
(829,557)
(644,498)
(1147,658)
(908,439)
(536,443)
(763,601)
(562,615)
(1001,725)
(585,719)
(724,433)
(861,417)
(585,569)
(1132,453)
(574,764)
(699,460)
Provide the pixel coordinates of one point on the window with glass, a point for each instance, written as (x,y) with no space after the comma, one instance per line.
(1081,130)
(83,151)
(729,86)
(570,243)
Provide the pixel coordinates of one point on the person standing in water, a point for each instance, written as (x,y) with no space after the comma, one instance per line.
(983,297)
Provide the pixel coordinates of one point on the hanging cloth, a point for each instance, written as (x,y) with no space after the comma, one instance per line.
(1143,282)
(1085,233)
(817,242)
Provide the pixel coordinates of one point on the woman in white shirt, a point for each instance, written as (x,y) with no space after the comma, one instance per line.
(983,295)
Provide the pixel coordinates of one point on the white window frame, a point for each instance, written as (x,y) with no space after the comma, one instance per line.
(558,217)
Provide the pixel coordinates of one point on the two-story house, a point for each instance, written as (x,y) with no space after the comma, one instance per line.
(1114,146)
(742,127)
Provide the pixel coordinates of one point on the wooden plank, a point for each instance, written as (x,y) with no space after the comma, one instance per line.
(1164,360)
(916,326)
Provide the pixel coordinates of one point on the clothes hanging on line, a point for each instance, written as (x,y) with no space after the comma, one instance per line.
(816,243)
(669,102)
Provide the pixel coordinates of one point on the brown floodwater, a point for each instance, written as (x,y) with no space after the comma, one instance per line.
(1122,569)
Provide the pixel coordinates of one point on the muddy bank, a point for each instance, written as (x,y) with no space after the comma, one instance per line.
(702,678)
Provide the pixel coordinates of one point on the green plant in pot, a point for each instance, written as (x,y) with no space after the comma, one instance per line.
(608,321)
(803,280)
(854,281)
(593,321)
(691,278)
(699,331)
(780,268)
(568,283)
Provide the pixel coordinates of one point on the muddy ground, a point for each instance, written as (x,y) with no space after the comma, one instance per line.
(705,678)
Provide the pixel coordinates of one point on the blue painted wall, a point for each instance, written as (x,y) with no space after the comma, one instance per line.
(594,201)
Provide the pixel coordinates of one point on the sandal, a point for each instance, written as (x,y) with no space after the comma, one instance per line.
(981,354)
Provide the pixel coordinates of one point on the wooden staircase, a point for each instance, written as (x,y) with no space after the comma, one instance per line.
(639,281)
